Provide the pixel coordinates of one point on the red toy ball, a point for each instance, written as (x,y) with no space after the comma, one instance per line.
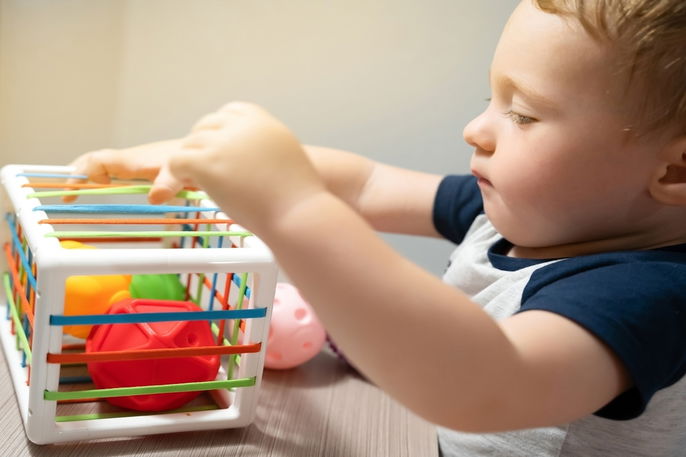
(152,335)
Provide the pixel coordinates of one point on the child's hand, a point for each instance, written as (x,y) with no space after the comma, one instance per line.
(140,162)
(248,162)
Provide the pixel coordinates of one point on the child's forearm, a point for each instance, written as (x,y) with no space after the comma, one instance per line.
(389,198)
(344,173)
(368,297)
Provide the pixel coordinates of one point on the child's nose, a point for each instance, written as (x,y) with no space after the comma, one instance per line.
(479,134)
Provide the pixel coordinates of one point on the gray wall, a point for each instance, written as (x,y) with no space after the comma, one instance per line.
(395,80)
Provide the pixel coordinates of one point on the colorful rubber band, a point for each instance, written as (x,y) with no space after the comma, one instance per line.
(134,318)
(120,209)
(155,234)
(23,341)
(164,353)
(117,190)
(147,390)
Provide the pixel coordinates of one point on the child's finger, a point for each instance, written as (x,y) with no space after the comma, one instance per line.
(100,166)
(165,186)
(241,108)
(182,166)
(199,139)
(71,198)
(103,165)
(212,121)
(88,165)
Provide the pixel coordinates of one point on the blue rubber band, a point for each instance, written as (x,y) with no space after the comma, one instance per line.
(237,281)
(135,318)
(120,209)
(52,175)
(20,250)
(28,288)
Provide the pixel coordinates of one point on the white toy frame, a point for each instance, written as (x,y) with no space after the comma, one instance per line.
(53,264)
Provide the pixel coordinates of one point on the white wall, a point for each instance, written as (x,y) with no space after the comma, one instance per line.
(59,70)
(395,80)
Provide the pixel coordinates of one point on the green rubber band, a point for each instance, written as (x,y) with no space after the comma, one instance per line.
(199,289)
(225,341)
(123,190)
(94,416)
(205,240)
(154,234)
(237,323)
(23,341)
(205,243)
(145,390)
(215,331)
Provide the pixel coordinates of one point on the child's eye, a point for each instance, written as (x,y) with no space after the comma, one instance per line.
(519,118)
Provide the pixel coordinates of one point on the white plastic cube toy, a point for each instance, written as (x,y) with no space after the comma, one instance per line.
(64,265)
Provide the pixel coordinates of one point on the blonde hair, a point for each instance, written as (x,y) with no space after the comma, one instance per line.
(650,36)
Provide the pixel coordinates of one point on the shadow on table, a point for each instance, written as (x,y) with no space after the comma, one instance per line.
(323,370)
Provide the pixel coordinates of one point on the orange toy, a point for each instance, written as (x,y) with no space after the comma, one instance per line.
(91,294)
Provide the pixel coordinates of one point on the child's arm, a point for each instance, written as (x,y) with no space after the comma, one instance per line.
(391,199)
(138,162)
(419,339)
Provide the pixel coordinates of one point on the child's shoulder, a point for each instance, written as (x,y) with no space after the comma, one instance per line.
(642,274)
(641,288)
(633,301)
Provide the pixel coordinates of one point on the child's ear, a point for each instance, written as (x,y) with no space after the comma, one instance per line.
(668,185)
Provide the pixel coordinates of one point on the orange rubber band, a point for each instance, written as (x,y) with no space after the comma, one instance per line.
(165,353)
(85,239)
(224,303)
(57,185)
(26,306)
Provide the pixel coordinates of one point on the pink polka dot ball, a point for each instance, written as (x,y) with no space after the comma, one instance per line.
(295,333)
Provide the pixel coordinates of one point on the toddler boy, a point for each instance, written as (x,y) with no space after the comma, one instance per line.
(560,327)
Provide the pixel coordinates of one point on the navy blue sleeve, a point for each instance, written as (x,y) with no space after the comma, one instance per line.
(637,308)
(457,203)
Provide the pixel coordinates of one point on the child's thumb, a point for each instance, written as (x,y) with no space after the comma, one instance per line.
(165,186)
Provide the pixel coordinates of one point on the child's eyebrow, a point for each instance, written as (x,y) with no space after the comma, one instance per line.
(526,90)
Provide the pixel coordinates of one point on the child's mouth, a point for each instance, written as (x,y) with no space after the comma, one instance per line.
(480,180)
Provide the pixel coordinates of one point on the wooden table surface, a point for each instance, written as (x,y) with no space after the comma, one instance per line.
(322,408)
